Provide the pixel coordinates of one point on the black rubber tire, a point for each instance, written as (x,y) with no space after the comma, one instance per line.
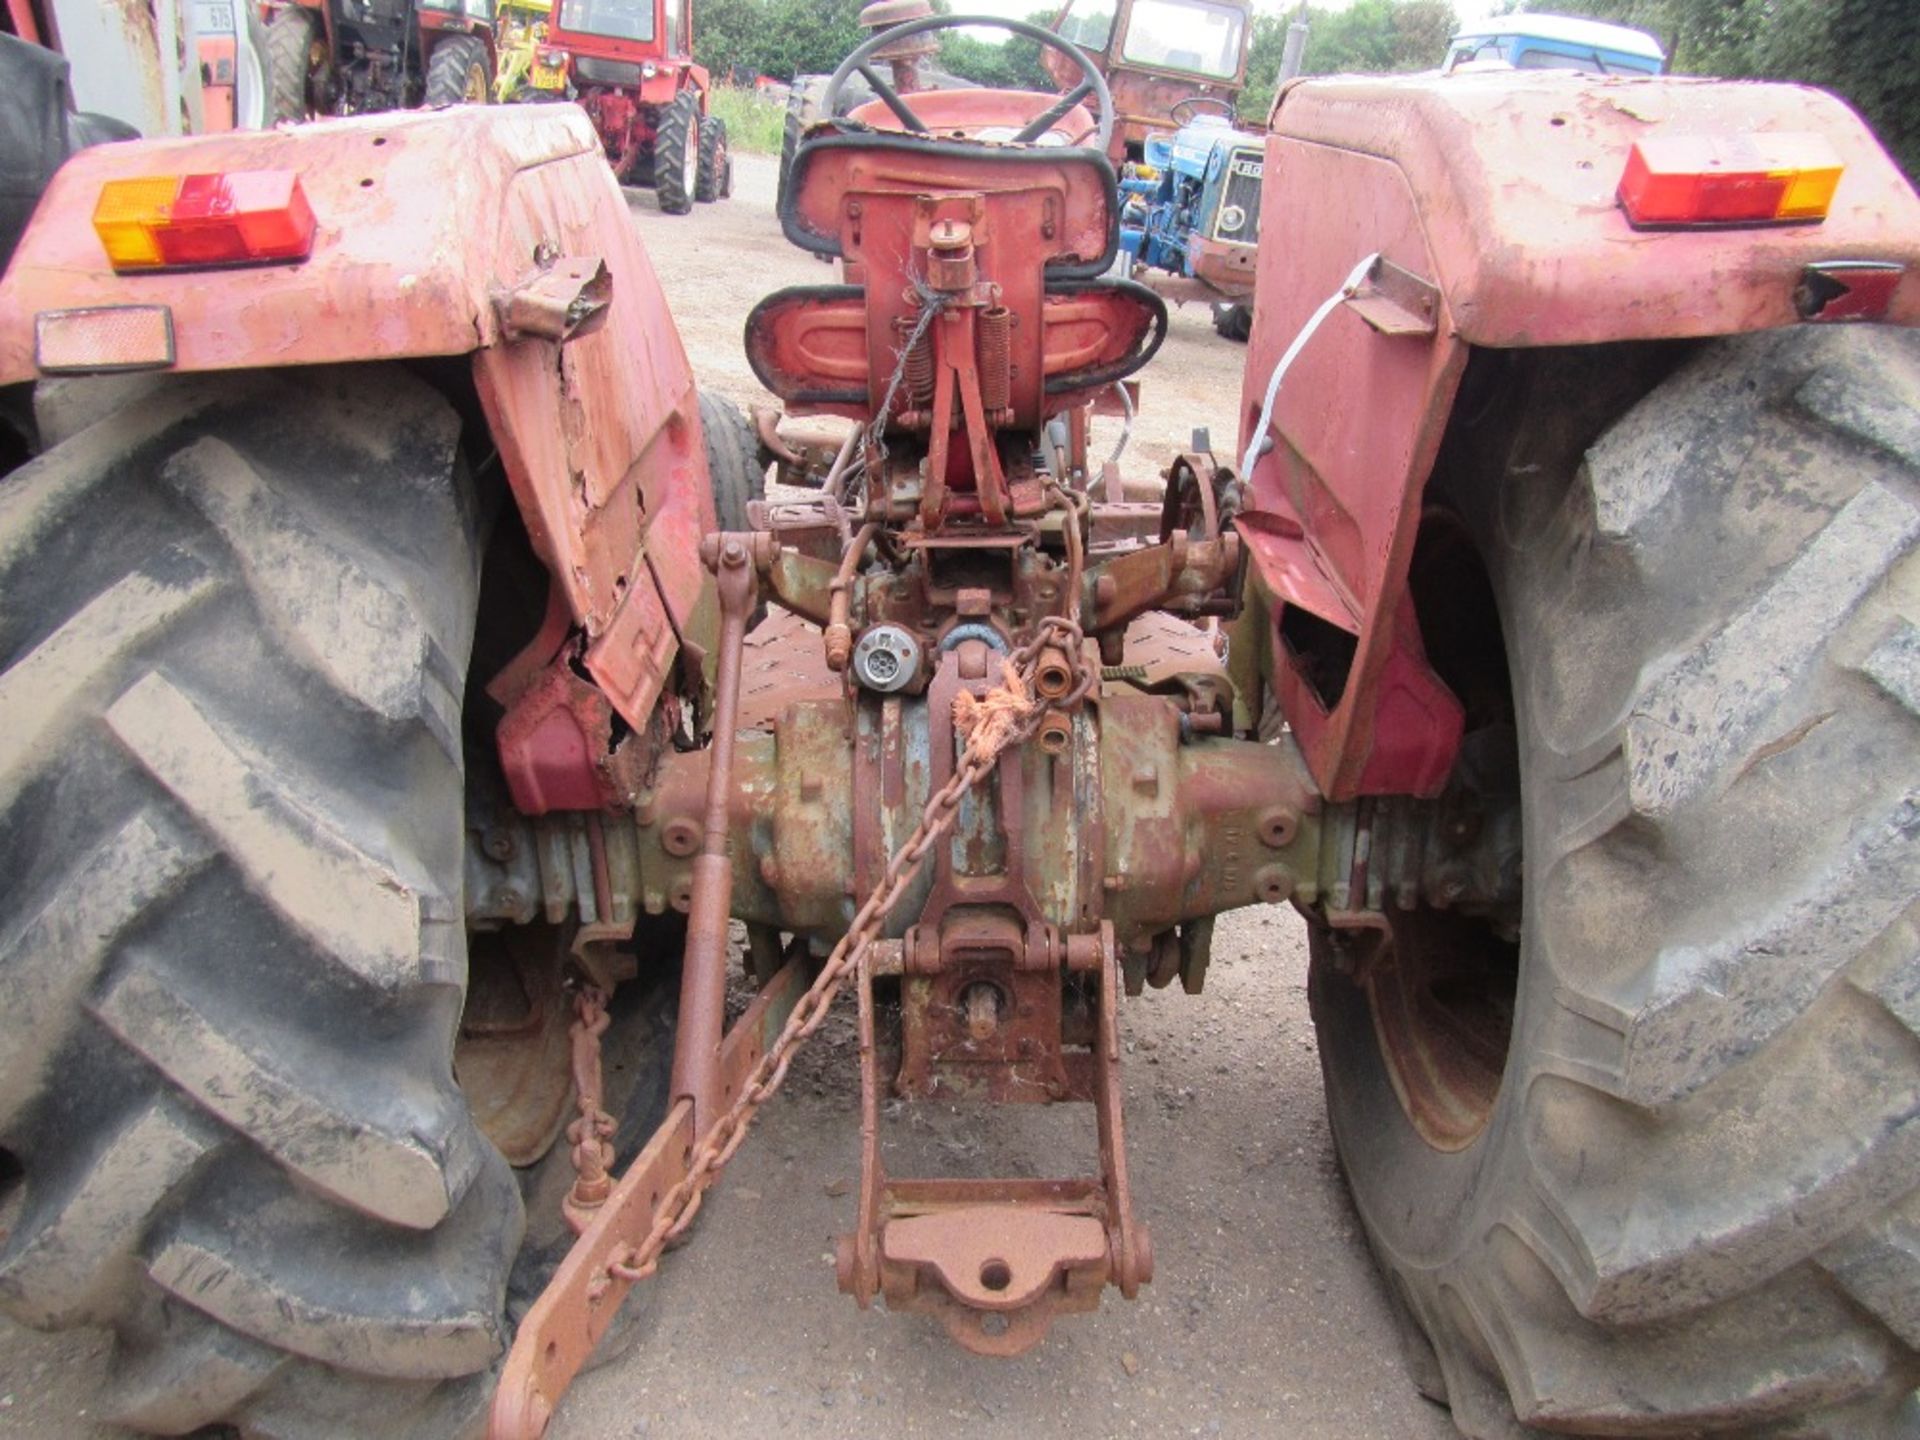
(237,613)
(734,466)
(458,64)
(715,180)
(676,154)
(1693,1210)
(803,109)
(1233,322)
(291,36)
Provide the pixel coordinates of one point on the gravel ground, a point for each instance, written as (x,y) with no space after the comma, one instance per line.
(1266,1317)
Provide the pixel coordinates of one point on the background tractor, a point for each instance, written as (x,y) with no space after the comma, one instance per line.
(521,35)
(1555,42)
(1191,219)
(631,67)
(351,57)
(1154,55)
(401,710)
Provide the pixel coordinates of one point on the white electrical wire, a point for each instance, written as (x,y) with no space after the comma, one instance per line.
(1126,426)
(1259,437)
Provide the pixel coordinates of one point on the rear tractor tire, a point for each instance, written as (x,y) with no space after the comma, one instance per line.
(715,179)
(457,73)
(676,154)
(236,619)
(1654,1169)
(296,64)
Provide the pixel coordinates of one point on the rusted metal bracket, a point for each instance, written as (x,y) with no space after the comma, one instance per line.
(579,1303)
(703,977)
(1396,301)
(997,1260)
(561,301)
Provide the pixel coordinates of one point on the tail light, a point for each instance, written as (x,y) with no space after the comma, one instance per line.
(242,217)
(1682,181)
(553,58)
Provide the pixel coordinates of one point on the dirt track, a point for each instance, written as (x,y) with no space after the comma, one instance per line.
(1265,1317)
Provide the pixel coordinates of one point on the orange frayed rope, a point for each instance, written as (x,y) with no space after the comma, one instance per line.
(989,722)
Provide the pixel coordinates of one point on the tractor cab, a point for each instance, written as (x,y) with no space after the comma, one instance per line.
(1155,54)
(1554,42)
(611,42)
(630,65)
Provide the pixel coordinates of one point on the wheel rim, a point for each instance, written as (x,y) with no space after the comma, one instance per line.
(1441,991)
(690,157)
(476,85)
(1442,983)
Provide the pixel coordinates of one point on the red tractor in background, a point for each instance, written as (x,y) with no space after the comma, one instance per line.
(351,57)
(1158,56)
(403,695)
(631,67)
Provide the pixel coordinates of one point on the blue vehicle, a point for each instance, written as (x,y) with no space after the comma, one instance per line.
(1191,214)
(1555,42)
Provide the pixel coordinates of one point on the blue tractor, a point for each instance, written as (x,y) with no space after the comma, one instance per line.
(1191,215)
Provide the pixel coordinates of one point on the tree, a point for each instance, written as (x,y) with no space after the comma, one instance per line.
(1864,50)
(776,37)
(1371,37)
(1011,62)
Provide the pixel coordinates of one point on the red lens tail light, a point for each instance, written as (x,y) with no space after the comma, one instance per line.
(1678,181)
(240,217)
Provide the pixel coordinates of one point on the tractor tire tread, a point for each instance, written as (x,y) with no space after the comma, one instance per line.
(679,130)
(448,69)
(290,37)
(715,180)
(733,460)
(236,615)
(1697,1213)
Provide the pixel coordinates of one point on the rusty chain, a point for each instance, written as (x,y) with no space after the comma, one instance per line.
(995,729)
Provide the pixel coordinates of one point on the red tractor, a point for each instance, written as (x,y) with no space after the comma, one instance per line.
(632,70)
(349,57)
(392,733)
(1165,61)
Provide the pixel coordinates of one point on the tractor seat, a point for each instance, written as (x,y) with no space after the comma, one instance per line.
(1043,222)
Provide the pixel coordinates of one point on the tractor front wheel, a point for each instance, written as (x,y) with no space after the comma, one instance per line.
(734,467)
(237,618)
(676,154)
(1643,1157)
(1233,320)
(457,73)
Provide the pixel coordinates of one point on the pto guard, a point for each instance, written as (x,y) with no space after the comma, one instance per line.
(495,232)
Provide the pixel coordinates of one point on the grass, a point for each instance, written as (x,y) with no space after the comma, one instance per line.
(753,124)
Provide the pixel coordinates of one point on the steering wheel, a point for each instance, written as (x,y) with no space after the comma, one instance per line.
(1092,82)
(1220,103)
